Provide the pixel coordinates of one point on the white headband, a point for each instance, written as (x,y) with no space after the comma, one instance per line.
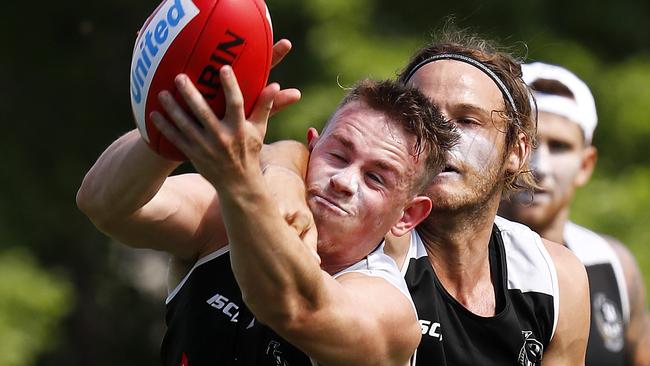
(581,110)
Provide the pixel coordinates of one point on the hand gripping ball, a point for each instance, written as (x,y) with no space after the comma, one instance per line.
(197,37)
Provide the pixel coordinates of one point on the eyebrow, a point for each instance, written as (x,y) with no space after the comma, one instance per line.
(343,140)
(467,107)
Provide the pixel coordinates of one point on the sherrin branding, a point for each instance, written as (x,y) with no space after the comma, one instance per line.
(197,38)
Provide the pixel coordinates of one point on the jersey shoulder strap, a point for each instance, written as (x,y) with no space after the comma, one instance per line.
(592,249)
(379,264)
(530,267)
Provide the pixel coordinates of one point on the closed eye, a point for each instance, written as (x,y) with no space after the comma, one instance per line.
(467,121)
(338,157)
(375,178)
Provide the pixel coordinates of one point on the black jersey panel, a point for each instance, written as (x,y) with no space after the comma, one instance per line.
(208,324)
(517,334)
(606,345)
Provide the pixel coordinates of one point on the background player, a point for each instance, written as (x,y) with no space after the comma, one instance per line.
(562,162)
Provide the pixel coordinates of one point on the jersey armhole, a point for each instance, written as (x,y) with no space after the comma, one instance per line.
(554,282)
(201,261)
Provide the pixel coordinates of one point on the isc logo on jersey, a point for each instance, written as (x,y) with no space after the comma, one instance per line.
(227,307)
(152,43)
(431,329)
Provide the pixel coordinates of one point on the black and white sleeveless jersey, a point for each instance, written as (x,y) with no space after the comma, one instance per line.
(209,324)
(527,303)
(610,308)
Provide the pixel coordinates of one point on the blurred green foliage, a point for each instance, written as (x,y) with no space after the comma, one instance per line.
(32,302)
(64,98)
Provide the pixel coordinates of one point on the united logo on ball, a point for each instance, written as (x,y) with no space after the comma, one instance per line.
(198,37)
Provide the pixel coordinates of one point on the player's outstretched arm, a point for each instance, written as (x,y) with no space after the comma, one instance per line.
(281,282)
(569,344)
(129,195)
(637,332)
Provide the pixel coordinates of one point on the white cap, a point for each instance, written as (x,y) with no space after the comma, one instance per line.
(581,109)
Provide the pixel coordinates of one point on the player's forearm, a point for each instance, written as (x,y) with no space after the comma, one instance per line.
(275,271)
(124,178)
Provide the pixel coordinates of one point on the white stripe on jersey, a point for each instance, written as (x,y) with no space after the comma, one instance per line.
(530,267)
(593,249)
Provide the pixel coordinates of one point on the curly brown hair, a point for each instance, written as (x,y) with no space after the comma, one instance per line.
(413,111)
(508,69)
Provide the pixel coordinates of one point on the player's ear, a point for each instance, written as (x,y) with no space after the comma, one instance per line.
(312,138)
(589,157)
(413,214)
(518,154)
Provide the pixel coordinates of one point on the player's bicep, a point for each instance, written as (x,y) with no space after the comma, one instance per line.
(569,343)
(183,219)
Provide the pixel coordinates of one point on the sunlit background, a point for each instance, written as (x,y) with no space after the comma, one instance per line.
(69,296)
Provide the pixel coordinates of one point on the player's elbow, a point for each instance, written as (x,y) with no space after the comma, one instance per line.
(90,202)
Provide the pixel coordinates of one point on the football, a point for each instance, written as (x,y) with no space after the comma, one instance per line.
(198,37)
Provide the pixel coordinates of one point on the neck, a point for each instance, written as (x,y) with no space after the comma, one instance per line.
(457,244)
(334,259)
(554,229)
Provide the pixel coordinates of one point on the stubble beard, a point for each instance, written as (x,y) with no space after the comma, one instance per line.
(474,196)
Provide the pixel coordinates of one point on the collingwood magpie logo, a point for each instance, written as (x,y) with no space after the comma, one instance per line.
(531,352)
(273,351)
(609,322)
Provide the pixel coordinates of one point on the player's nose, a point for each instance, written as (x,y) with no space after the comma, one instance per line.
(345,181)
(539,162)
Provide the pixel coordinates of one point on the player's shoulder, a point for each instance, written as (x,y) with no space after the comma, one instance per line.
(522,245)
(622,251)
(523,238)
(563,257)
(376,266)
(595,248)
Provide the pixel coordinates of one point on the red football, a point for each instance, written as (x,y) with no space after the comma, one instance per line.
(197,37)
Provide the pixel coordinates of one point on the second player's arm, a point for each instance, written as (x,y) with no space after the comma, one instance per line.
(569,344)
